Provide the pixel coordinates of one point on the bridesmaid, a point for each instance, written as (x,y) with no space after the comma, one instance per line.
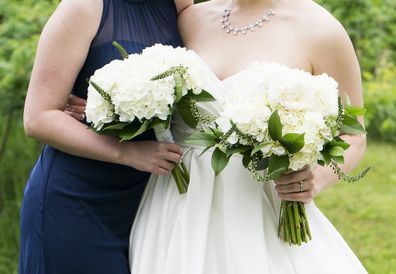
(84,190)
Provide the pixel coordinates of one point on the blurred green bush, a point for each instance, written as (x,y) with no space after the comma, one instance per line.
(371,24)
(380,101)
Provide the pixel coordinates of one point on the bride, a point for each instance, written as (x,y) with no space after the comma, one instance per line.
(228,224)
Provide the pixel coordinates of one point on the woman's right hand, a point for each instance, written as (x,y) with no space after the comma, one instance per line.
(151,156)
(53,77)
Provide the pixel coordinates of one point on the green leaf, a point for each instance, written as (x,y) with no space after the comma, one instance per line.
(114,126)
(121,50)
(275,127)
(352,126)
(258,148)
(133,130)
(347,100)
(184,109)
(326,156)
(201,139)
(338,159)
(219,161)
(293,142)
(336,151)
(217,132)
(339,143)
(156,121)
(320,162)
(207,130)
(237,149)
(223,148)
(246,159)
(278,162)
(263,164)
(204,96)
(355,110)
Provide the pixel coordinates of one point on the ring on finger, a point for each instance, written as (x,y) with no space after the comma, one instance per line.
(301,183)
(69,108)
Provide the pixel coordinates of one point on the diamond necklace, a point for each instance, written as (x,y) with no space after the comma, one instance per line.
(229,28)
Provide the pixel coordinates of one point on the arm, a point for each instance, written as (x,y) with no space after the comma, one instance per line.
(333,54)
(62,49)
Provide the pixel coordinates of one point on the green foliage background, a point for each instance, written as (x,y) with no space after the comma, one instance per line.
(372,27)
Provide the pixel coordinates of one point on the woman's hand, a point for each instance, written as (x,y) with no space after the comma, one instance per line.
(151,156)
(75,107)
(302,185)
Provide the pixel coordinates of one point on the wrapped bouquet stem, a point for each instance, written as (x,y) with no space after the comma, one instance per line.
(281,119)
(141,92)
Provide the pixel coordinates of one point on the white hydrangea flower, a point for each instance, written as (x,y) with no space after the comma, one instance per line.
(304,102)
(133,93)
(98,111)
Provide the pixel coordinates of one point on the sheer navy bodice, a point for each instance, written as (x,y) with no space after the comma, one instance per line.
(77,213)
(135,24)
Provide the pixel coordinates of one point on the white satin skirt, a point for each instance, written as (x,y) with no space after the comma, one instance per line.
(227,225)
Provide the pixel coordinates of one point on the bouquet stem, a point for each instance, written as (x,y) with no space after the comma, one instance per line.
(179,172)
(181,176)
(293,223)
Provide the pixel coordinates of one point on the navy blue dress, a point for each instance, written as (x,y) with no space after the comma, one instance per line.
(77,213)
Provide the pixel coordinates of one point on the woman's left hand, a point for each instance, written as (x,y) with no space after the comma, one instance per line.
(75,107)
(302,185)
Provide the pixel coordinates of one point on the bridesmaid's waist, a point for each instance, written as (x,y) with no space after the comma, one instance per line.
(88,171)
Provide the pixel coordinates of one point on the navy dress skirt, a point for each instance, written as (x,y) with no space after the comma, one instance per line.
(77,213)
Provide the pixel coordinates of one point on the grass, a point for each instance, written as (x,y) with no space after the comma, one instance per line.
(362,212)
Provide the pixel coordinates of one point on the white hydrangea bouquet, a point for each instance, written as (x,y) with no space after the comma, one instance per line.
(130,96)
(282,119)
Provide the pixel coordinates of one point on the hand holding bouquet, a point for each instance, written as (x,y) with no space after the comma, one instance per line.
(128,97)
(282,119)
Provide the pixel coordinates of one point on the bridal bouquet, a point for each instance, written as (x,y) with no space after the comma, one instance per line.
(130,96)
(282,119)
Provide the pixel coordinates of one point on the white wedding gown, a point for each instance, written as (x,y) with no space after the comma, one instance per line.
(226,224)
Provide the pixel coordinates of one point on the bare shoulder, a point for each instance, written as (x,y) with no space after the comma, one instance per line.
(197,17)
(87,7)
(324,36)
(197,10)
(330,48)
(85,15)
(322,26)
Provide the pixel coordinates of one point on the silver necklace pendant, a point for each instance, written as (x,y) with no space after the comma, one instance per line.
(231,29)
